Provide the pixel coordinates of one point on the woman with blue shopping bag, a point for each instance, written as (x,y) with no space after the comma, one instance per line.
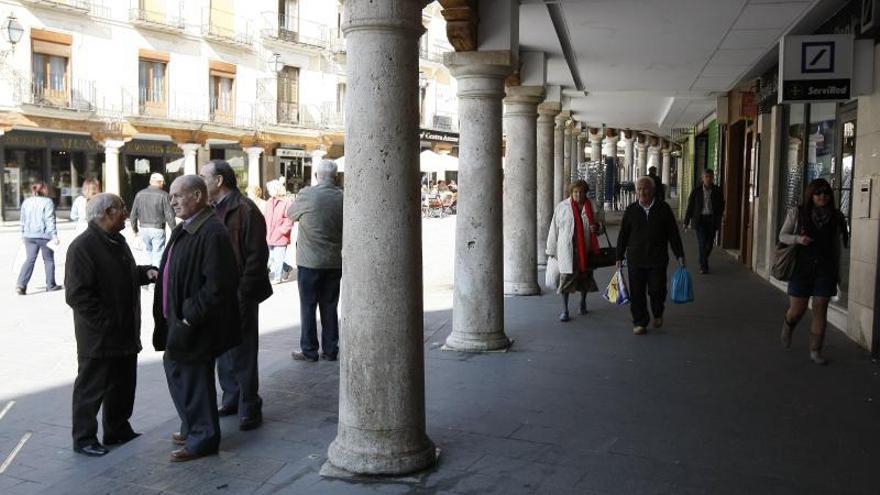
(647,231)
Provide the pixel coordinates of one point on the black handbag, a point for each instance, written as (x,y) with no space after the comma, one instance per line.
(607,256)
(785,258)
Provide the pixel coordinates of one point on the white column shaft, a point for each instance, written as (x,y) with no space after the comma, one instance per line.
(111,166)
(558,161)
(189,157)
(253,171)
(546,184)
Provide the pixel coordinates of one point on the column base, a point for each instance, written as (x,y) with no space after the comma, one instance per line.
(521,289)
(463,342)
(380,459)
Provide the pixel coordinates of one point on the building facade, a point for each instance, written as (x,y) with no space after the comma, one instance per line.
(119,90)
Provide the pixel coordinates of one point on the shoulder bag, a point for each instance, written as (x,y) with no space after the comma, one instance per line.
(786,256)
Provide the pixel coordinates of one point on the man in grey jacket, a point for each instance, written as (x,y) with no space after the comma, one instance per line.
(150,213)
(318,210)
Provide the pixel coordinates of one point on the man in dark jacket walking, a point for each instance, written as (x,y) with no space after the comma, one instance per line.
(196,313)
(647,230)
(102,286)
(704,211)
(150,212)
(237,369)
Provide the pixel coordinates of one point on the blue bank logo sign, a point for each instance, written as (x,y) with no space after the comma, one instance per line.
(815,68)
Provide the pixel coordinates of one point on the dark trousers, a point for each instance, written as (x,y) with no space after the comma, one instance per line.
(319,288)
(705,238)
(644,282)
(237,368)
(32,247)
(195,398)
(107,384)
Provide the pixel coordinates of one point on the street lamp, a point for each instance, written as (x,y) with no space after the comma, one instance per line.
(13,30)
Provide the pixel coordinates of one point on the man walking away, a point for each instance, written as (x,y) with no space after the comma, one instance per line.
(659,187)
(318,209)
(196,313)
(704,211)
(150,212)
(102,286)
(237,368)
(647,230)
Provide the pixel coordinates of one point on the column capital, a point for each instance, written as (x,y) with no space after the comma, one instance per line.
(641,146)
(112,145)
(524,94)
(581,137)
(479,74)
(595,137)
(562,119)
(189,147)
(399,16)
(253,150)
(549,109)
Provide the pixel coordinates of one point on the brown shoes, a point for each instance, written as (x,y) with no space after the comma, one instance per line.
(183,455)
(640,330)
(178,439)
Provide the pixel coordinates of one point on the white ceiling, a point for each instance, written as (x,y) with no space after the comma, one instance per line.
(655,64)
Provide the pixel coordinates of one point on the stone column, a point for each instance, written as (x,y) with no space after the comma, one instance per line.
(573,172)
(520,190)
(478,296)
(665,166)
(609,149)
(558,160)
(641,149)
(189,157)
(253,171)
(317,155)
(580,155)
(111,166)
(545,135)
(628,163)
(566,156)
(381,372)
(595,144)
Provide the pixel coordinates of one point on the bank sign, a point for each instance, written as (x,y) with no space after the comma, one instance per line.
(815,68)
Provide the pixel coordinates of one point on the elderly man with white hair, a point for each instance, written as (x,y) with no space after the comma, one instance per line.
(102,285)
(647,230)
(318,209)
(150,212)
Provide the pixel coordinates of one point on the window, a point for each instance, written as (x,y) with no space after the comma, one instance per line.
(50,79)
(221,91)
(152,87)
(288,95)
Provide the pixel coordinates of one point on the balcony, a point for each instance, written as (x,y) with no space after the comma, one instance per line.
(77,6)
(187,108)
(169,19)
(225,27)
(79,96)
(294,32)
(300,115)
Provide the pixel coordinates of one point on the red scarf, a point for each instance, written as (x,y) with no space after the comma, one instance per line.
(582,253)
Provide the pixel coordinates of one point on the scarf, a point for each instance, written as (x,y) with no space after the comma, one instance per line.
(579,232)
(821,215)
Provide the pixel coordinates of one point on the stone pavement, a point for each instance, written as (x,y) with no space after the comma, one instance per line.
(709,404)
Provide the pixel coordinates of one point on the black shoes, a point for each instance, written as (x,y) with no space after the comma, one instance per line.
(54,288)
(328,357)
(299,356)
(227,410)
(20,291)
(251,423)
(108,440)
(93,450)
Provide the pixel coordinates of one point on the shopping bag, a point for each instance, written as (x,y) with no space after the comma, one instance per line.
(682,286)
(551,275)
(783,264)
(616,292)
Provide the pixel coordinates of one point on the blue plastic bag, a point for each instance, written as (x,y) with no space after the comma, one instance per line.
(682,286)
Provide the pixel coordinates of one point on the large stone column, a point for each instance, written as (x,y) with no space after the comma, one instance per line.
(566,156)
(559,158)
(666,165)
(580,155)
(547,111)
(189,157)
(253,170)
(641,149)
(111,166)
(573,171)
(654,153)
(478,296)
(595,136)
(628,163)
(520,190)
(609,149)
(381,373)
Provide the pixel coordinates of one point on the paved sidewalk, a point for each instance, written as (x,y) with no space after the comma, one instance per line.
(709,404)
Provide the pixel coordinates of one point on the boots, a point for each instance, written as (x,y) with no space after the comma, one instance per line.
(816,341)
(787,330)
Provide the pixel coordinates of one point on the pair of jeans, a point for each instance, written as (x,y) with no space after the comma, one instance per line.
(319,289)
(705,238)
(276,257)
(154,244)
(32,247)
(644,282)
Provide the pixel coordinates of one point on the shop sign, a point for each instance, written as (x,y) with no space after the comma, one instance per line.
(291,153)
(153,148)
(432,135)
(63,143)
(815,68)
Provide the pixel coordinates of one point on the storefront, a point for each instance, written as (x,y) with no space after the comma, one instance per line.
(62,161)
(440,142)
(141,158)
(295,166)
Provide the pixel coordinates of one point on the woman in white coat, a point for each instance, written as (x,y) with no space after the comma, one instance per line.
(573,237)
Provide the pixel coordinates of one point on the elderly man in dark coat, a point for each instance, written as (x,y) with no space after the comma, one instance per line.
(237,368)
(102,285)
(196,314)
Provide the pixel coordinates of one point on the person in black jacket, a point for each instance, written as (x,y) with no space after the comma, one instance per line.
(195,309)
(705,216)
(237,368)
(102,286)
(647,230)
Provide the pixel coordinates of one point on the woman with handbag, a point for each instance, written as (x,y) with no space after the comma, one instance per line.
(572,239)
(819,230)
